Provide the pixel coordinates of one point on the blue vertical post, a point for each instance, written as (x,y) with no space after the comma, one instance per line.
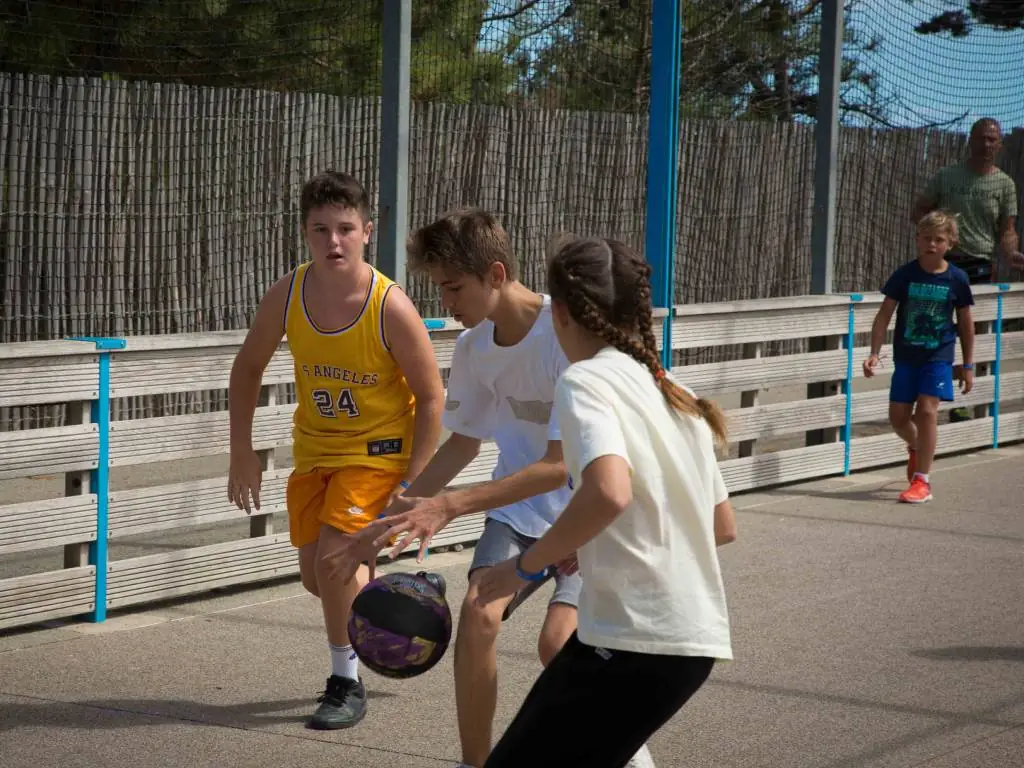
(847,431)
(663,158)
(99,481)
(997,365)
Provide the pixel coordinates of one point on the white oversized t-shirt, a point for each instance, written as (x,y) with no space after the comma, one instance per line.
(651,579)
(507,394)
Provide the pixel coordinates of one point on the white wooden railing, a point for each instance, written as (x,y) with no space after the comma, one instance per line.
(780,436)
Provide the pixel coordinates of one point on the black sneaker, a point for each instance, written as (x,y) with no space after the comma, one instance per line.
(436,580)
(342,704)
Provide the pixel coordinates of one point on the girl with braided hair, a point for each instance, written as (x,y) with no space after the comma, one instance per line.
(648,510)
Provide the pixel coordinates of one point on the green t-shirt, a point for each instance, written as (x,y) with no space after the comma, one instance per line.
(983,202)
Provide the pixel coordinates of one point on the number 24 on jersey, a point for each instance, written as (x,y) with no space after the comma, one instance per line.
(330,408)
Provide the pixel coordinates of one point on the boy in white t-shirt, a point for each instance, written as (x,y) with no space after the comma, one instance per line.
(649,509)
(501,387)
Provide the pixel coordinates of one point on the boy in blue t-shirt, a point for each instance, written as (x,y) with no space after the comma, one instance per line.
(925,293)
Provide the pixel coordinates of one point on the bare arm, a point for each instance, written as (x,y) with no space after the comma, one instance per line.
(451,458)
(245,473)
(881,324)
(605,491)
(411,347)
(543,476)
(259,347)
(421,518)
(725,523)
(1009,239)
(965,329)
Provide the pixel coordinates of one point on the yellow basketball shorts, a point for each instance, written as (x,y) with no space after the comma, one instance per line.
(347,499)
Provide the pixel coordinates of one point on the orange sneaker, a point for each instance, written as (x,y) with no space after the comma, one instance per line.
(919,492)
(911,464)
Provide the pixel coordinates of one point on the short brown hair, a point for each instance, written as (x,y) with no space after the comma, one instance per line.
(467,240)
(334,188)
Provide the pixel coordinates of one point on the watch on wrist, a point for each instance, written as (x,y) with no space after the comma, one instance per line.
(524,575)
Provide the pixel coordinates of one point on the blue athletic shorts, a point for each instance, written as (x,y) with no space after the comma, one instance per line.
(909,381)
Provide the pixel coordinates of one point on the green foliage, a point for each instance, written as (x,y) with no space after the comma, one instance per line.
(1003,15)
(745,59)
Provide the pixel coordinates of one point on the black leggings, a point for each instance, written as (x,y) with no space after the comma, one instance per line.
(595,708)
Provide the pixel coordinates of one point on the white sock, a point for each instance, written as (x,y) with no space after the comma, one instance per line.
(344,662)
(923,476)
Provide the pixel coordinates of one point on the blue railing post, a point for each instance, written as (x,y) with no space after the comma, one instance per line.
(663,159)
(997,366)
(847,430)
(99,480)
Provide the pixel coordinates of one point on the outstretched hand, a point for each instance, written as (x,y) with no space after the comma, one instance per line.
(416,517)
(345,560)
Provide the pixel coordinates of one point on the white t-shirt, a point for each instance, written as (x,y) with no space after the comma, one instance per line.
(507,394)
(651,579)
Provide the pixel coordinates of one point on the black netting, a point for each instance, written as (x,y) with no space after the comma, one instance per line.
(152,150)
(928,70)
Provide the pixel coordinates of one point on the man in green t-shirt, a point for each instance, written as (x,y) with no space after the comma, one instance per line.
(985,199)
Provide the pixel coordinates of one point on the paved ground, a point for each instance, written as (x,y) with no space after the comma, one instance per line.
(867,634)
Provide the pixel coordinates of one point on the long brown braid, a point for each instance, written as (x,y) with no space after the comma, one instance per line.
(606,287)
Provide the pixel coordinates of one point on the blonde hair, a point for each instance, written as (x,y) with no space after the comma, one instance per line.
(940,221)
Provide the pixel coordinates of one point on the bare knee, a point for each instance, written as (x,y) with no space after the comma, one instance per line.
(927,410)
(900,414)
(558,627)
(325,567)
(479,624)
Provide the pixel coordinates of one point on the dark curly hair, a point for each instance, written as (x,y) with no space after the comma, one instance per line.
(334,188)
(606,286)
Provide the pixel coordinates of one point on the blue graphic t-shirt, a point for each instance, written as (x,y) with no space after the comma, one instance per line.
(925,320)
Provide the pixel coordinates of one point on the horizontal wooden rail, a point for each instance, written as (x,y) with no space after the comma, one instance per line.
(771,421)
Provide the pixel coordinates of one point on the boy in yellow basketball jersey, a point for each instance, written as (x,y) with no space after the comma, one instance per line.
(368,416)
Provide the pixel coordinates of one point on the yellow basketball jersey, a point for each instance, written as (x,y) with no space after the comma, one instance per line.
(355,407)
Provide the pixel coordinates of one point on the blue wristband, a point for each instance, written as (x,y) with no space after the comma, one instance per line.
(404,484)
(538,576)
(968,366)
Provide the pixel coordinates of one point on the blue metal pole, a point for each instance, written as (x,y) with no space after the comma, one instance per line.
(663,158)
(99,480)
(848,384)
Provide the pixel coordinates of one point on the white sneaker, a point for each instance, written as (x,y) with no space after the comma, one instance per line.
(642,759)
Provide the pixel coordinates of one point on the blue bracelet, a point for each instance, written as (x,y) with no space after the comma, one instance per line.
(404,484)
(968,366)
(538,576)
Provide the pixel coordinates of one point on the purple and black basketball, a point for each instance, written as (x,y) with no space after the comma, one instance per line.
(401,624)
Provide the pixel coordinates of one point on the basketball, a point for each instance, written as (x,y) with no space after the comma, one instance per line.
(400,624)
